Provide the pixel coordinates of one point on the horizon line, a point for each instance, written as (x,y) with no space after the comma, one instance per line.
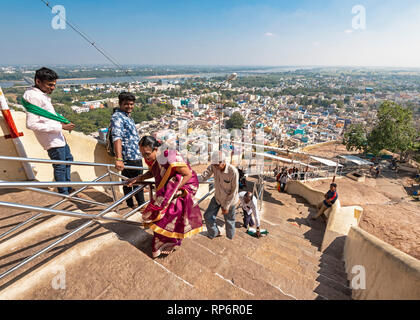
(209,65)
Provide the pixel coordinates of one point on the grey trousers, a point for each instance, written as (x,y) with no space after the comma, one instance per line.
(210,218)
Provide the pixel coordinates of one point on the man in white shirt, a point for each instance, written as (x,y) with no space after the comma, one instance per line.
(226,184)
(249,206)
(49,132)
(283,180)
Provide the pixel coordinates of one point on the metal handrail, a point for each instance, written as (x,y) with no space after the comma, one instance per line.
(85,225)
(26,184)
(75,163)
(206,195)
(67,196)
(33,186)
(51,207)
(64,213)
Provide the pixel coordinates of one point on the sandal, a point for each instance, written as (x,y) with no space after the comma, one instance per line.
(166,249)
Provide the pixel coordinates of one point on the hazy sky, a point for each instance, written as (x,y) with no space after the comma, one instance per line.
(214,32)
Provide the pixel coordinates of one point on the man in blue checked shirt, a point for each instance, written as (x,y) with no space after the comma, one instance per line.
(126,143)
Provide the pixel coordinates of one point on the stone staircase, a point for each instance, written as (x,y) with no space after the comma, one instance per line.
(113,260)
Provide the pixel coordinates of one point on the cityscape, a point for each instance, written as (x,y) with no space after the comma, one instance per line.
(294,108)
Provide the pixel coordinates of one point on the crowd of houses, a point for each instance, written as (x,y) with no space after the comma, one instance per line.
(284,121)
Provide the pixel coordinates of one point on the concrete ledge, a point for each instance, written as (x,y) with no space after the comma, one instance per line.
(340,219)
(390,273)
(311,195)
(83,148)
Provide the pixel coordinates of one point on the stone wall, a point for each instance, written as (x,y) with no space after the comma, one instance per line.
(388,272)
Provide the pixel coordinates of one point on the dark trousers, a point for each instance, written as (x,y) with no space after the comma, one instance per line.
(61,171)
(129,173)
(282,186)
(248,220)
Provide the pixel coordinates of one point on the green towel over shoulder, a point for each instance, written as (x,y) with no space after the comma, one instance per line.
(42,112)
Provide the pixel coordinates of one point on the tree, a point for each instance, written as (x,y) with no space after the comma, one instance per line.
(230,104)
(340,104)
(207,100)
(355,138)
(395,130)
(236,121)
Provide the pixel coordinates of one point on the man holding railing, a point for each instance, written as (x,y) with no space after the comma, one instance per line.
(48,126)
(226,178)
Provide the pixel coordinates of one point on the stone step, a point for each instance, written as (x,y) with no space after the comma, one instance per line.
(103,268)
(276,263)
(194,254)
(308,248)
(256,271)
(239,276)
(310,271)
(334,273)
(311,263)
(293,239)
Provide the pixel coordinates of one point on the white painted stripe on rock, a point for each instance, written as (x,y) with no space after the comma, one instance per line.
(205,248)
(270,223)
(247,292)
(286,294)
(168,271)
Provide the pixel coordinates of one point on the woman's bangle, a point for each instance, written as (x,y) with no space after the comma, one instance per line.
(119,159)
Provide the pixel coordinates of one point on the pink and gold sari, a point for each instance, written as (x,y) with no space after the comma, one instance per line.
(172,214)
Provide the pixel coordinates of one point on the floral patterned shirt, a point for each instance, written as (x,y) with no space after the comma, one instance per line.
(124,129)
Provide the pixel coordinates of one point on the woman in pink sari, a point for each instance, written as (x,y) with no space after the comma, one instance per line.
(172,214)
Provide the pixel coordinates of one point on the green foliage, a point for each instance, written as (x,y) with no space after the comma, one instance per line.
(236,121)
(340,104)
(395,130)
(230,105)
(87,122)
(92,121)
(227,95)
(207,100)
(150,112)
(355,138)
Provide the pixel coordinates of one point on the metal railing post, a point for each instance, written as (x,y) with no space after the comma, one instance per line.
(114,197)
(51,207)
